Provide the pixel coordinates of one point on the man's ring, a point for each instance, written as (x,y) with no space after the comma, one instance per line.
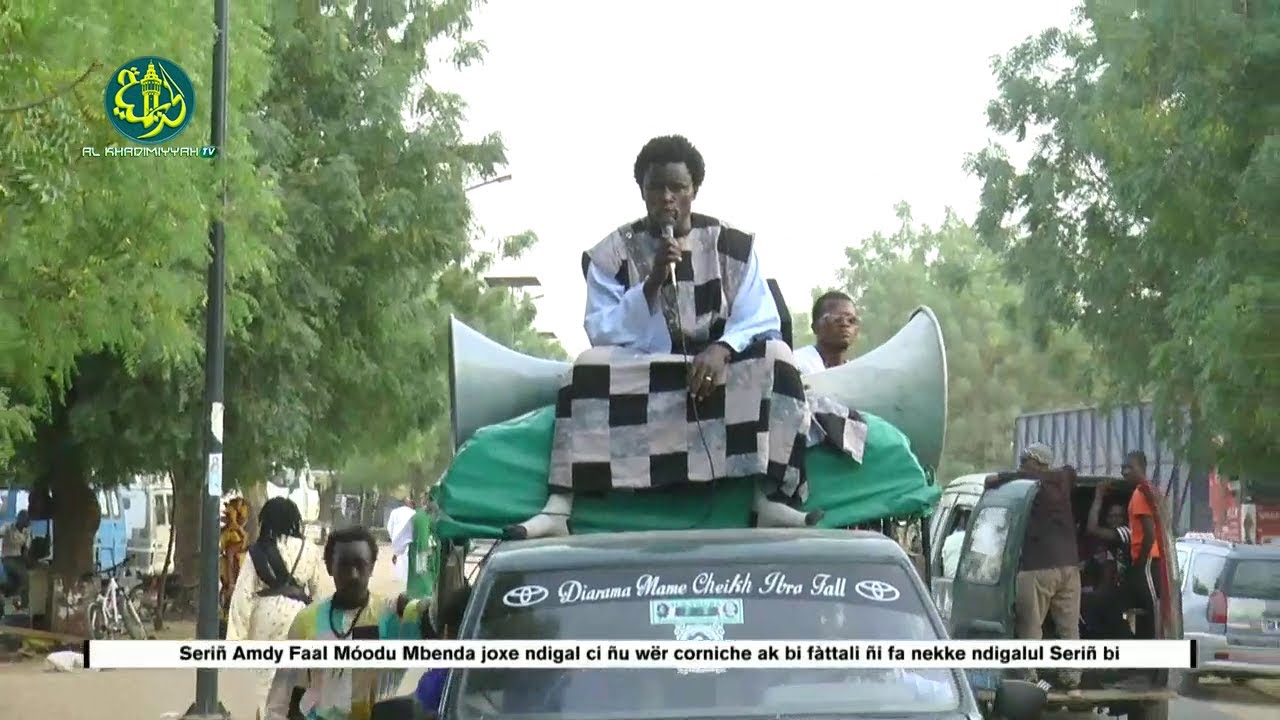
(706,377)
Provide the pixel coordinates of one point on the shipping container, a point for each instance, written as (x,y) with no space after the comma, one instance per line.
(1095,440)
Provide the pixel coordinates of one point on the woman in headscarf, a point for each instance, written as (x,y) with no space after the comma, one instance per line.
(283,573)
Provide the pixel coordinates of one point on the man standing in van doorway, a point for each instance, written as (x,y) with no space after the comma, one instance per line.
(1048,583)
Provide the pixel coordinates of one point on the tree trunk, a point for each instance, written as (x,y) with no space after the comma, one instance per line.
(328,492)
(73,509)
(187,504)
(256,495)
(76,516)
(163,585)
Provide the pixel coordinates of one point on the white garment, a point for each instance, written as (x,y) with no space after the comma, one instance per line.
(808,360)
(622,317)
(400,530)
(951,553)
(252,617)
(13,540)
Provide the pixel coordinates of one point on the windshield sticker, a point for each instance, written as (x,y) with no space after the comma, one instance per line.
(524,596)
(696,611)
(877,590)
(701,631)
(772,584)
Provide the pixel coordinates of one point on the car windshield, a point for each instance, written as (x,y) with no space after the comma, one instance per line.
(838,601)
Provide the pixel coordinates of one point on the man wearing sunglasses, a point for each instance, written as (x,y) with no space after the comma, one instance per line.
(835,327)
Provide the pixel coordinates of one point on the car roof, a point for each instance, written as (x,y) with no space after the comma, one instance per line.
(975,483)
(772,545)
(1231,549)
(967,483)
(1256,552)
(1205,542)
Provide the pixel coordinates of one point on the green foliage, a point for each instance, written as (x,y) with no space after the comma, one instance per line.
(102,260)
(495,312)
(801,329)
(995,370)
(349,243)
(344,363)
(1147,215)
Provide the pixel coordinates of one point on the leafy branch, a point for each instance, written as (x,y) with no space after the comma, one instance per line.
(55,94)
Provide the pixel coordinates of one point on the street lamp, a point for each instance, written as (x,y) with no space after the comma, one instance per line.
(512,283)
(206,706)
(490,181)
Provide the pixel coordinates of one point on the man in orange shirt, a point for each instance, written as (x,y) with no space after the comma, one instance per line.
(1146,579)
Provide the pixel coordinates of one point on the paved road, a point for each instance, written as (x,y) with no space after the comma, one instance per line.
(28,691)
(148,694)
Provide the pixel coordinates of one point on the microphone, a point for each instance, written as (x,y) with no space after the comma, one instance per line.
(669,233)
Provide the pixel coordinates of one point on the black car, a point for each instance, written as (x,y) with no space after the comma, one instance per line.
(756,584)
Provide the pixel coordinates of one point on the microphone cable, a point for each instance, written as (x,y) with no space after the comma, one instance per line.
(684,350)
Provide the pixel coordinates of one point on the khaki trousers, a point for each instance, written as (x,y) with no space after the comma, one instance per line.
(1053,593)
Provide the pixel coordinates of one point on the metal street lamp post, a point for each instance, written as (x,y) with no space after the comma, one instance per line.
(206,706)
(513,283)
(490,181)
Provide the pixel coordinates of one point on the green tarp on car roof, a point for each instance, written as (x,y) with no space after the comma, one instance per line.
(499,477)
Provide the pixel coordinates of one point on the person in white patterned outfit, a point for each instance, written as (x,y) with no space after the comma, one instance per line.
(689,379)
(283,572)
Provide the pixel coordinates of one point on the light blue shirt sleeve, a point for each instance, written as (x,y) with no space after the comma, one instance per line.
(617,316)
(754,311)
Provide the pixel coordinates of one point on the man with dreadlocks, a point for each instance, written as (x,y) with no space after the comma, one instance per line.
(687,379)
(284,571)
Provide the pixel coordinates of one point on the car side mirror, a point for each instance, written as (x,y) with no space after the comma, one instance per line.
(1020,700)
(401,708)
(987,628)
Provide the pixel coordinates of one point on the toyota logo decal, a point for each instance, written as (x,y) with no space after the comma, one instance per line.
(877,590)
(524,596)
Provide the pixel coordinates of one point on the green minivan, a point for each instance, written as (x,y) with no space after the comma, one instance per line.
(978,602)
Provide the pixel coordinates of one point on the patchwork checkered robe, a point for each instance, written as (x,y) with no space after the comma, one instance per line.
(625,419)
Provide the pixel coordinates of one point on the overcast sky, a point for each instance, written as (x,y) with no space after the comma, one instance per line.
(813,122)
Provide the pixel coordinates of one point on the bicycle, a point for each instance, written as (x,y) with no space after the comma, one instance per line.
(113,613)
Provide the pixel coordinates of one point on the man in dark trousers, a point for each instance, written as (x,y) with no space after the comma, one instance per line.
(1049,574)
(1147,578)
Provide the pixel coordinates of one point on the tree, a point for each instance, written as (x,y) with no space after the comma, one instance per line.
(102,260)
(348,239)
(995,369)
(343,356)
(496,313)
(802,327)
(1146,216)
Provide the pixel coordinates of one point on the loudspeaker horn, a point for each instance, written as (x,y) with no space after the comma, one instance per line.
(490,383)
(903,381)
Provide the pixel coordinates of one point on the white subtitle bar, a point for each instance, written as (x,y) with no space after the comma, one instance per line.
(234,655)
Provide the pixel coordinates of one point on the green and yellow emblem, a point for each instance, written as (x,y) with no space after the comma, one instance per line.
(150,100)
